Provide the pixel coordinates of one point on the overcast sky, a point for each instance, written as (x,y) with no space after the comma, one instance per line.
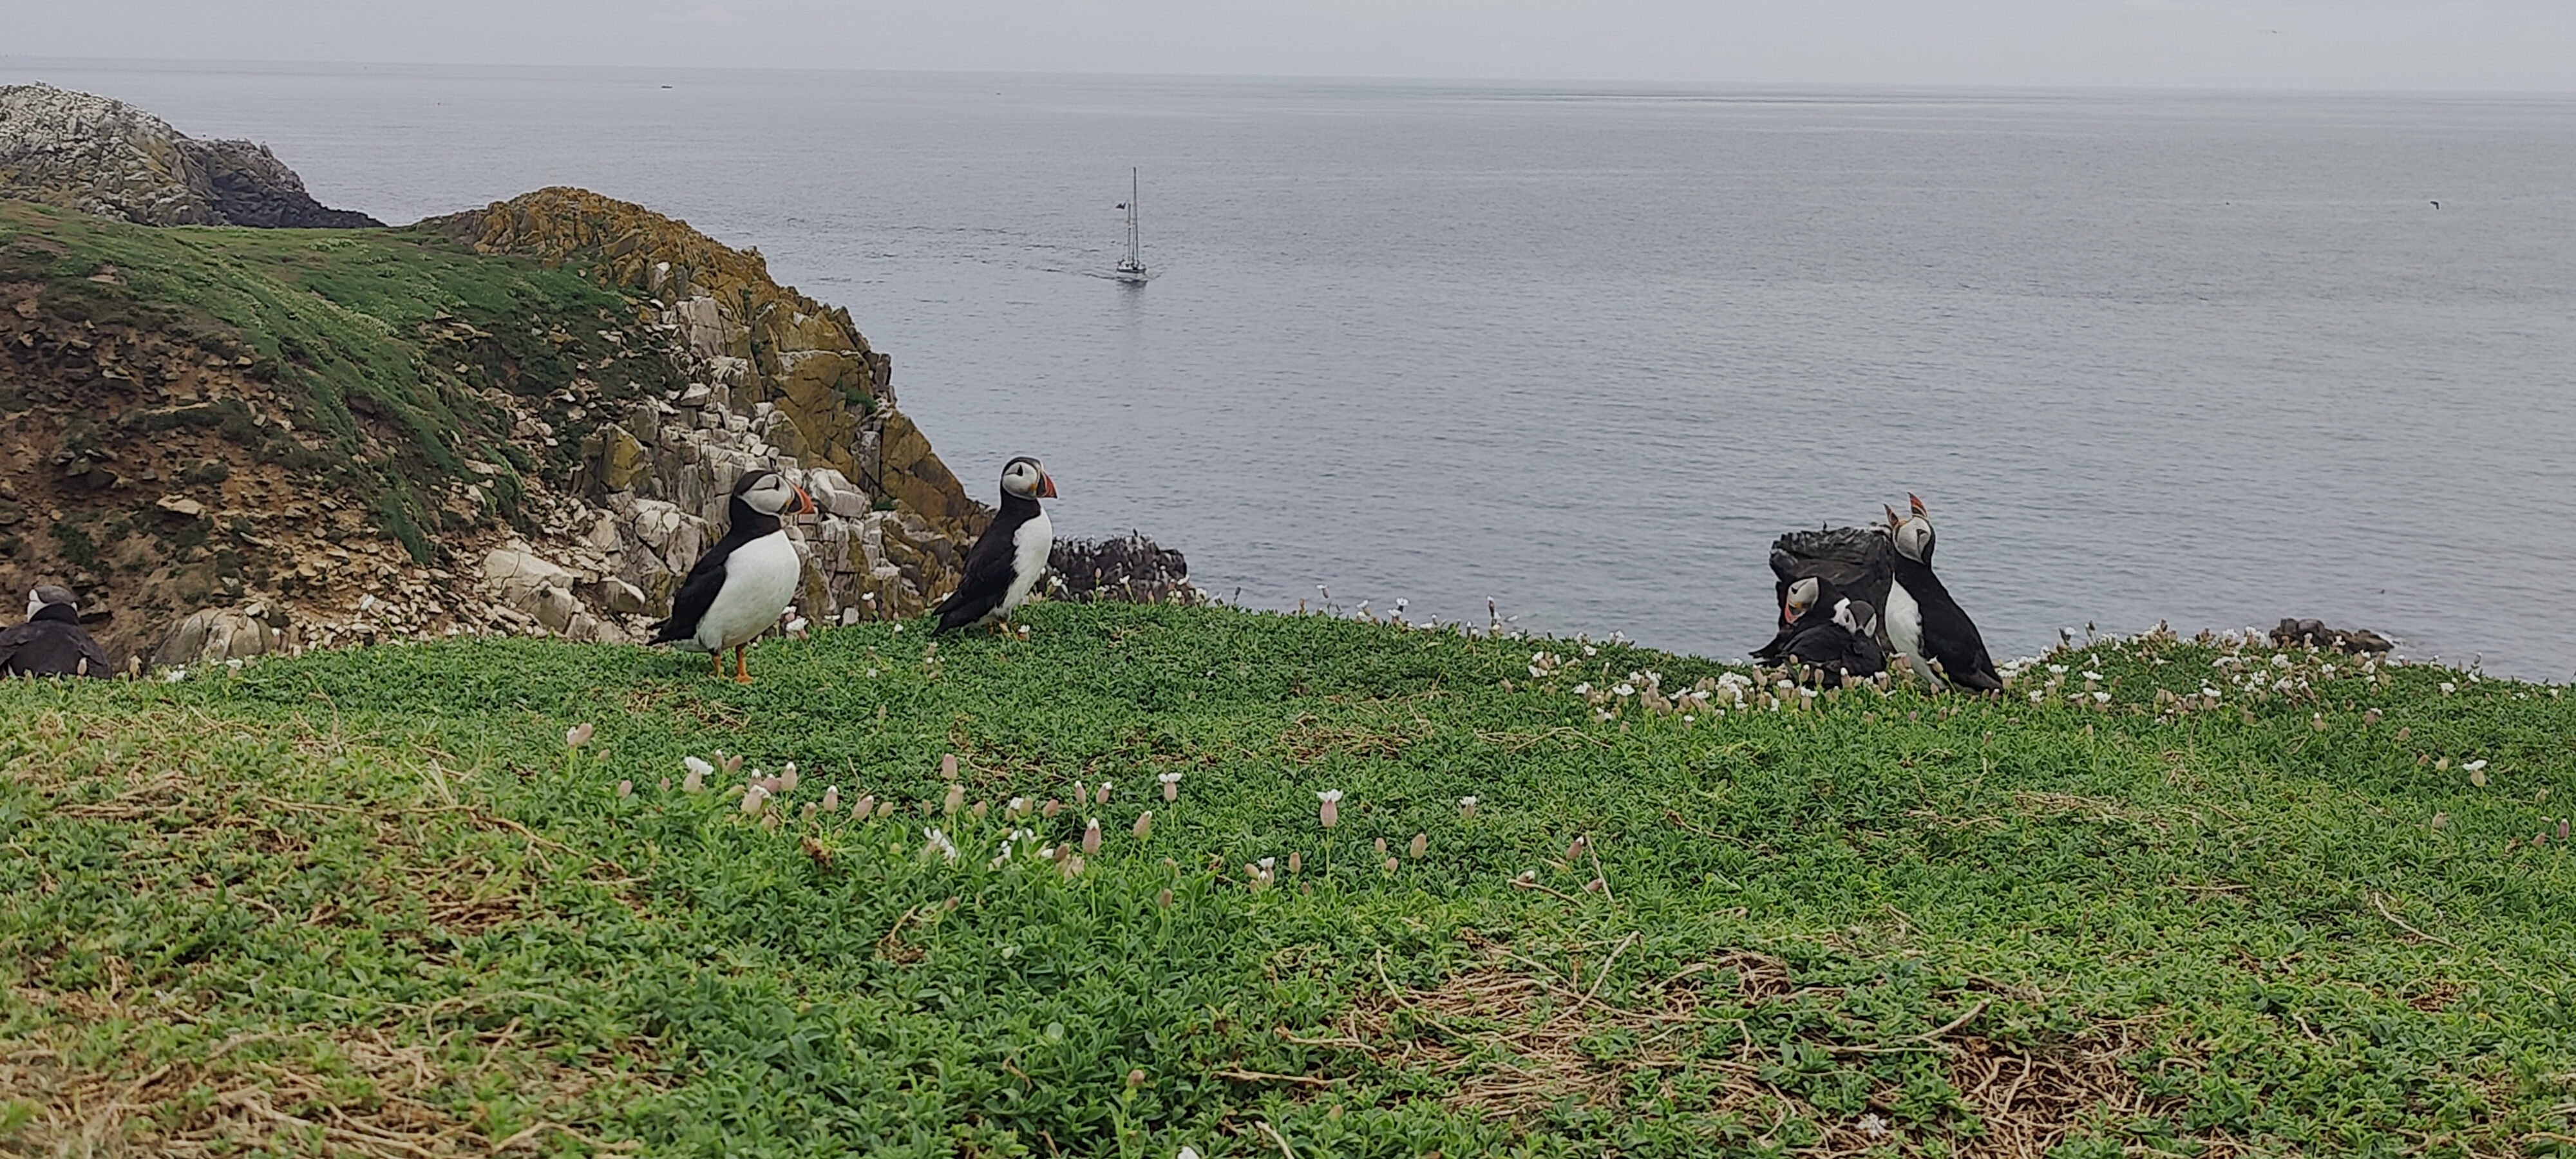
(2344,44)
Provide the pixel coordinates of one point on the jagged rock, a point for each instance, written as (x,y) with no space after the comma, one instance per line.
(1132,569)
(109,158)
(2294,633)
(214,635)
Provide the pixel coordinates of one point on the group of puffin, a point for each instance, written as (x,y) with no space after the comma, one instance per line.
(743,584)
(1832,587)
(1854,601)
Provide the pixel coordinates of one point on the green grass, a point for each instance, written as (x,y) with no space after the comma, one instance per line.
(364,896)
(406,324)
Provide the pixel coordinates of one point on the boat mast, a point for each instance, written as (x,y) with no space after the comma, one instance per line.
(1135,185)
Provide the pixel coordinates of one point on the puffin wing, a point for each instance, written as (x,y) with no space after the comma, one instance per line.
(1952,641)
(697,594)
(91,652)
(987,578)
(11,640)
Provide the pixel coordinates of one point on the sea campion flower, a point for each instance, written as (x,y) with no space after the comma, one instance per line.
(866,804)
(753,797)
(1018,807)
(1467,807)
(1421,843)
(1296,861)
(787,778)
(1330,812)
(981,808)
(938,842)
(1171,786)
(1091,837)
(1144,824)
(885,809)
(948,767)
(832,799)
(625,789)
(577,735)
(956,799)
(697,778)
(1051,808)
(1101,797)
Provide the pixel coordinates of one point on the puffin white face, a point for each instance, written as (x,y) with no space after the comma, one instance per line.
(772,494)
(1856,616)
(1914,539)
(1802,596)
(1025,479)
(35,603)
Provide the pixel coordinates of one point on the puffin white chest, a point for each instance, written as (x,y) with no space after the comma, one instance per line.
(1031,544)
(760,578)
(1905,631)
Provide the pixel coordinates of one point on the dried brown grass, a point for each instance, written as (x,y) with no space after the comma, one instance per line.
(1515,1038)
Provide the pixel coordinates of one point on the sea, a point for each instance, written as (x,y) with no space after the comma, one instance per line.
(1572,354)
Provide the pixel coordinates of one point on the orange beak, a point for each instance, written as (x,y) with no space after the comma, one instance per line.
(1892,519)
(1046,485)
(804,502)
(1917,501)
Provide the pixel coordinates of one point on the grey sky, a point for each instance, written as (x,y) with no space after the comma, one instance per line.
(2369,44)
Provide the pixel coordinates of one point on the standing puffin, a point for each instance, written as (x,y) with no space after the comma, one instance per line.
(740,587)
(1930,632)
(1010,558)
(51,642)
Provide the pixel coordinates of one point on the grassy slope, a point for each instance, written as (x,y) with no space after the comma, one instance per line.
(370,891)
(330,316)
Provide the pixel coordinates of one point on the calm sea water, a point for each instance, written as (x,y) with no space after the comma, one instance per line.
(2206,358)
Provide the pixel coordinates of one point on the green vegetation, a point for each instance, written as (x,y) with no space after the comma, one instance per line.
(368,901)
(405,327)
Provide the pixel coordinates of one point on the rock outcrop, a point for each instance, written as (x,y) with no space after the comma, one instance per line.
(109,158)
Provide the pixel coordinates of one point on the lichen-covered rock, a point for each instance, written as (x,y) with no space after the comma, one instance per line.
(215,635)
(109,158)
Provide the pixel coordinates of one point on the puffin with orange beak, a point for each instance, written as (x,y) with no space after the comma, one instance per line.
(1928,631)
(1010,558)
(740,587)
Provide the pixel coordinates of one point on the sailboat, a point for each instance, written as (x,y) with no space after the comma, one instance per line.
(1131,269)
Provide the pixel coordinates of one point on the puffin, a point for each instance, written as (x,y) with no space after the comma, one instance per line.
(1827,632)
(1010,558)
(1927,629)
(740,587)
(51,642)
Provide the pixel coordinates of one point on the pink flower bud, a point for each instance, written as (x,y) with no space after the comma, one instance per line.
(981,807)
(1380,846)
(1051,808)
(625,789)
(1144,824)
(1390,865)
(1421,842)
(666,784)
(752,798)
(1091,836)
(956,799)
(885,809)
(866,804)
(1329,810)
(948,767)
(787,778)
(832,799)
(1164,899)
(577,735)
(1296,862)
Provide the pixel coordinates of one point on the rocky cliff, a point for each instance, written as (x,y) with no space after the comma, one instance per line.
(108,158)
(522,419)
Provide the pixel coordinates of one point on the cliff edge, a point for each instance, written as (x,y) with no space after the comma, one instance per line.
(108,158)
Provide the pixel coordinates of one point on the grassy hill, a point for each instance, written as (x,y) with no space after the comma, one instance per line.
(369,902)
